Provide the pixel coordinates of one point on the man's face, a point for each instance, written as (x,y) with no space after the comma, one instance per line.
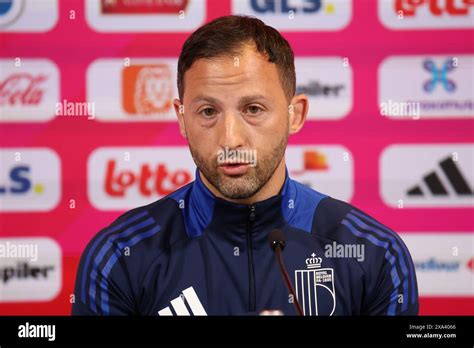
(236,121)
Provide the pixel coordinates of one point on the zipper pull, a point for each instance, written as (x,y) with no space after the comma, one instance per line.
(252,213)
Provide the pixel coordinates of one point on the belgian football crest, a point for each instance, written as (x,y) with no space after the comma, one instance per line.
(314,288)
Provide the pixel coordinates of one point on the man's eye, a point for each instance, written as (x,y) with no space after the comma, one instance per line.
(208,112)
(254,109)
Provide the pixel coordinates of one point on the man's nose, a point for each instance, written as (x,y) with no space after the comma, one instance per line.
(232,130)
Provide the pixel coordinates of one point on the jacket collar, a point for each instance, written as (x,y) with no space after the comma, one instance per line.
(220,215)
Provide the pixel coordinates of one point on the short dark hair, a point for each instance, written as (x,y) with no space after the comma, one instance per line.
(227,36)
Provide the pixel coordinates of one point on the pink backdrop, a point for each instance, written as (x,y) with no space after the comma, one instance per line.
(73,45)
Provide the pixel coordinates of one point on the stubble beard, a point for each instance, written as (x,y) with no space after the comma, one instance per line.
(246,185)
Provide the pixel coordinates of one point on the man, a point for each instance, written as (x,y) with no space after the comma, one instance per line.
(203,249)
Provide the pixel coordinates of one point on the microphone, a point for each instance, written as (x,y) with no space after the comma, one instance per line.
(276,239)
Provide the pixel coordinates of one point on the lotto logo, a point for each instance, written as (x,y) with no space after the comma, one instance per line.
(124,178)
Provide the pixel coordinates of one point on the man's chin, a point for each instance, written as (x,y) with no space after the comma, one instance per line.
(236,187)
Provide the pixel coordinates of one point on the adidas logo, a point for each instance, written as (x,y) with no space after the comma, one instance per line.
(447,182)
(185,304)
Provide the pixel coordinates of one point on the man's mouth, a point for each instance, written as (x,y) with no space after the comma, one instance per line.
(234,169)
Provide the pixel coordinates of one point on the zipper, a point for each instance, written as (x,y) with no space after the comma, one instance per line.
(252,295)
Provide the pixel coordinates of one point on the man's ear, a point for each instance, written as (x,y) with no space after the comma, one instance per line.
(298,110)
(179,110)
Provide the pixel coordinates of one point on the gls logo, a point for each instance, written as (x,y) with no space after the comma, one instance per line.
(284,6)
(298,14)
(19,182)
(29,180)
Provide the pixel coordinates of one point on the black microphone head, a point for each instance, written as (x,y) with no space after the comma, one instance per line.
(276,238)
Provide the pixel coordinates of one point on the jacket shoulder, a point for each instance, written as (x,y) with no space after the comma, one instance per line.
(114,262)
(389,273)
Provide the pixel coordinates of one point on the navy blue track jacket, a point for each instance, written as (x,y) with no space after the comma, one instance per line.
(191,253)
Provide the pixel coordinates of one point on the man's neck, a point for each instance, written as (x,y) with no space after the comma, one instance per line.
(270,189)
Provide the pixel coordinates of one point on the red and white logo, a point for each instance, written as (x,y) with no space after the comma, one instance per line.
(142,7)
(426,14)
(124,178)
(22,89)
(470,264)
(145,15)
(29,90)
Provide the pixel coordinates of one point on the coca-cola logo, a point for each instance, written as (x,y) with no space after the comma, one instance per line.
(149,180)
(22,89)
